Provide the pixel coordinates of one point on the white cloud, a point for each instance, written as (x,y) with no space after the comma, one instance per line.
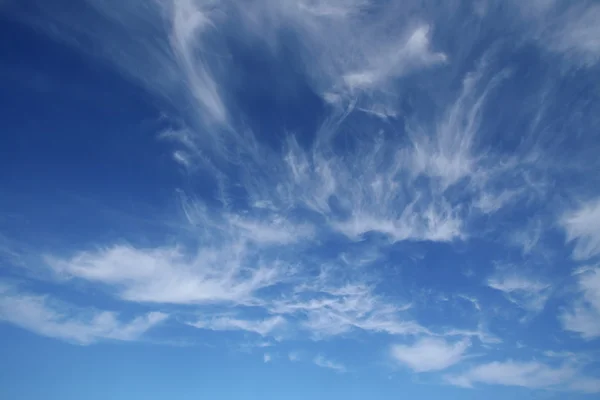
(332,8)
(565,27)
(344,47)
(347,46)
(585,385)
(267,358)
(430,354)
(170,39)
(372,192)
(167,275)
(583,228)
(397,61)
(188,21)
(525,292)
(584,316)
(266,227)
(263,327)
(483,336)
(583,320)
(323,306)
(515,283)
(294,356)
(528,238)
(531,374)
(437,225)
(577,34)
(325,310)
(426,179)
(406,191)
(323,362)
(474,301)
(275,231)
(448,154)
(42,315)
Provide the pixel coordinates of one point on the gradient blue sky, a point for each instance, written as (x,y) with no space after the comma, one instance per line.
(329,199)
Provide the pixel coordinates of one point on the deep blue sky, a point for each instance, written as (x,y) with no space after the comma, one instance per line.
(338,199)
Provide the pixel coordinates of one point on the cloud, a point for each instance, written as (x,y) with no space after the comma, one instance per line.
(532,374)
(566,28)
(262,327)
(168,275)
(430,354)
(277,231)
(323,362)
(583,320)
(481,334)
(448,153)
(436,223)
(583,316)
(45,316)
(414,53)
(259,249)
(513,373)
(378,188)
(347,46)
(324,306)
(585,385)
(474,301)
(581,226)
(171,37)
(576,34)
(325,310)
(294,356)
(407,189)
(528,238)
(525,292)
(188,20)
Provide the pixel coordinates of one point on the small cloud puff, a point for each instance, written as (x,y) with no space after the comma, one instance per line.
(430,354)
(48,317)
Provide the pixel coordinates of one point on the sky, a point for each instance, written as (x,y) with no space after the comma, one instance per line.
(328,199)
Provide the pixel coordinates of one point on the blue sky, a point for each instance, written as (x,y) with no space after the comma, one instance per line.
(335,199)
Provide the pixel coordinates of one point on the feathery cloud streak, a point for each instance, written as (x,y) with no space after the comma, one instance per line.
(428,150)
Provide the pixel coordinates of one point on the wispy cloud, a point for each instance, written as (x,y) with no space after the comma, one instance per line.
(526,292)
(584,315)
(430,354)
(533,375)
(364,52)
(513,373)
(394,62)
(276,231)
(527,238)
(189,19)
(167,275)
(378,188)
(171,35)
(48,317)
(262,327)
(581,226)
(323,362)
(576,34)
(303,235)
(326,310)
(474,301)
(566,28)
(585,385)
(481,334)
